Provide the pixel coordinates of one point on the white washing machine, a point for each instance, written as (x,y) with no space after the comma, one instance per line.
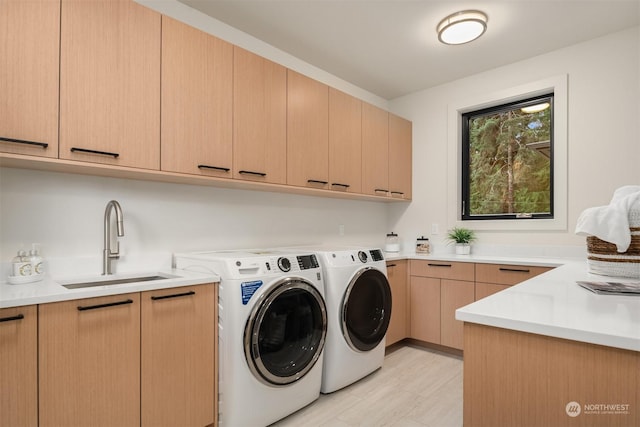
(358,299)
(272,328)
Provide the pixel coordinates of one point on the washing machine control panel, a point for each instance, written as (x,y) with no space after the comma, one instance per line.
(284,264)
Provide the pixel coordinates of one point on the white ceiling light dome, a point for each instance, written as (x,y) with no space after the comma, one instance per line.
(462,27)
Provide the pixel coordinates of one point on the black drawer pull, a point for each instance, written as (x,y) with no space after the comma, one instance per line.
(218,168)
(337,184)
(439,265)
(315,181)
(22,141)
(252,173)
(183,294)
(398,192)
(515,270)
(109,304)
(379,190)
(10,318)
(391,265)
(102,153)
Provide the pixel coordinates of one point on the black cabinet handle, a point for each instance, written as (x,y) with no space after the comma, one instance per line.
(378,190)
(10,318)
(337,184)
(439,265)
(23,141)
(315,181)
(515,270)
(391,265)
(397,192)
(183,294)
(218,168)
(102,153)
(110,304)
(252,173)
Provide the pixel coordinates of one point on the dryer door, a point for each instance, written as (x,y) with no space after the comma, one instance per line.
(285,333)
(366,309)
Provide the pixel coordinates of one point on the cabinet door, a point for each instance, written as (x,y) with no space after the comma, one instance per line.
(507,274)
(486,289)
(425,309)
(375,150)
(19,366)
(110,83)
(259,118)
(178,347)
(400,157)
(454,294)
(89,362)
(29,73)
(197,94)
(307,132)
(345,142)
(398,326)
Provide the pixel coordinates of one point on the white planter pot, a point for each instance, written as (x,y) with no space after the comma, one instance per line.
(463,249)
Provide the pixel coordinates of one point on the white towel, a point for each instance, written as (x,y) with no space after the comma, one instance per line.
(611,223)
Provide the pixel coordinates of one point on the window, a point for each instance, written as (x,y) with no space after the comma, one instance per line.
(507,160)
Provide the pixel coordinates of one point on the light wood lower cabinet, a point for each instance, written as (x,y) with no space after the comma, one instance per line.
(492,278)
(437,290)
(89,362)
(178,356)
(19,366)
(138,359)
(514,378)
(398,325)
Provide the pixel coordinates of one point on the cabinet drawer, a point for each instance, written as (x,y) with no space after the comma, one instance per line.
(443,269)
(505,274)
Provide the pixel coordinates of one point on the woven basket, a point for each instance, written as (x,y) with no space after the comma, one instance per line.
(603,257)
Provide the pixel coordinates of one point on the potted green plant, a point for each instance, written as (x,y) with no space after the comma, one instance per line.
(462,237)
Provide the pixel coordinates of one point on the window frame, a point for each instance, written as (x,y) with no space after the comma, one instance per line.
(481,97)
(466,159)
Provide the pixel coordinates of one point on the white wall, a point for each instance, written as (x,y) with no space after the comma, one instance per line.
(603,136)
(64,212)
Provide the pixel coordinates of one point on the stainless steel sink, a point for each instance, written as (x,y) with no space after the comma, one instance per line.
(115,281)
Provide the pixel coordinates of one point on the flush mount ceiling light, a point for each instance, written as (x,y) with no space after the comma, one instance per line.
(462,27)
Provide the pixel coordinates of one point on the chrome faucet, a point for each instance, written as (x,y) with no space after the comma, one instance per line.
(107,253)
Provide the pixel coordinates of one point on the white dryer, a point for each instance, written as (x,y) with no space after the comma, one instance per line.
(358,299)
(272,327)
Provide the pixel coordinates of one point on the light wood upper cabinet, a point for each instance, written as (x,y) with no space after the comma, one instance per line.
(89,362)
(307,132)
(259,118)
(19,366)
(400,157)
(197,96)
(178,356)
(110,83)
(29,73)
(398,326)
(345,142)
(375,150)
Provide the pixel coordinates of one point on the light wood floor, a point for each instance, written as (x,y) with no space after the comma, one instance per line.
(415,387)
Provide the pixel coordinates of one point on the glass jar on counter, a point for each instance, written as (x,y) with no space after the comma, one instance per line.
(423,246)
(392,243)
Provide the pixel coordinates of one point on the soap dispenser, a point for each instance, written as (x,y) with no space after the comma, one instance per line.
(36,260)
(21,265)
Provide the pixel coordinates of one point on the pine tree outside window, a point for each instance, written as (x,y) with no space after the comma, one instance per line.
(507,161)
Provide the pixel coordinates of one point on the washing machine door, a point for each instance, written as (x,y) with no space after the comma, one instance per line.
(285,333)
(366,309)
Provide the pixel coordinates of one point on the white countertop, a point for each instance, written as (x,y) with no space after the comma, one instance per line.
(51,290)
(552,304)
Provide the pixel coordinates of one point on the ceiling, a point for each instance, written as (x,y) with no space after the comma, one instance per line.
(390,47)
